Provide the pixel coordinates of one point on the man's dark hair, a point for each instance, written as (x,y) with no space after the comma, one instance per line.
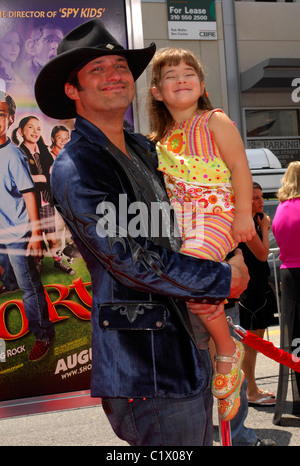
(256,186)
(73,78)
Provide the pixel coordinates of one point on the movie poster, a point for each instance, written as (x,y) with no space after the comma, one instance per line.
(30,31)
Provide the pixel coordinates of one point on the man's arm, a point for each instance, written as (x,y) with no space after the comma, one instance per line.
(135,262)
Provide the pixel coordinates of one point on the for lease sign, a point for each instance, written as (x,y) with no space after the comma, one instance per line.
(192,20)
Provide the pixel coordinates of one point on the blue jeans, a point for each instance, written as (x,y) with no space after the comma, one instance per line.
(8,278)
(158,421)
(34,300)
(240,435)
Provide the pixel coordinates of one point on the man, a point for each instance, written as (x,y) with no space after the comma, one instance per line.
(20,233)
(153,381)
(41,47)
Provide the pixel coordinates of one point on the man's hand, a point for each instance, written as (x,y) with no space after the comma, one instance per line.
(239,274)
(211,311)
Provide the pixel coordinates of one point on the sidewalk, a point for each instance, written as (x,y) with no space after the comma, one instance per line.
(88,426)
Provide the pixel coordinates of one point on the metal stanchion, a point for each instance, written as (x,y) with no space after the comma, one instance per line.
(273,252)
(224,433)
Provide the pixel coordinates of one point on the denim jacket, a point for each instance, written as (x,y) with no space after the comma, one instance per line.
(142,344)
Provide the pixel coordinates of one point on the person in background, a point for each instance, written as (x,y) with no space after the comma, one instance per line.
(257,304)
(286,230)
(39,48)
(40,162)
(60,135)
(10,47)
(20,231)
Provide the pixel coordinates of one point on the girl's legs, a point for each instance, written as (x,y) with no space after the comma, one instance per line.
(224,344)
(228,376)
(213,242)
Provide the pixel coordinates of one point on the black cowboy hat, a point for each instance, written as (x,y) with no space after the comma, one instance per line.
(81,45)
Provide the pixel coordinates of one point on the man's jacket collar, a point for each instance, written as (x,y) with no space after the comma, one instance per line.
(95,136)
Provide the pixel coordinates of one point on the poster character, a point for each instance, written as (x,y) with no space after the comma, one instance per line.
(40,163)
(10,48)
(20,232)
(40,47)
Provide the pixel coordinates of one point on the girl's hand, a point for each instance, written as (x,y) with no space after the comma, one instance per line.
(243,227)
(211,311)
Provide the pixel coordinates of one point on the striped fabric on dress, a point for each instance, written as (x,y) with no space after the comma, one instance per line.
(198,185)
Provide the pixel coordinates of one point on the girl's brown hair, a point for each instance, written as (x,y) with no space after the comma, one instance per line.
(290,183)
(160,117)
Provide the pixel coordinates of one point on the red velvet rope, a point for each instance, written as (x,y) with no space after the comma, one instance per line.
(268,349)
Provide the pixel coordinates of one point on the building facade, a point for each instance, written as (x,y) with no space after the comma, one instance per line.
(252,67)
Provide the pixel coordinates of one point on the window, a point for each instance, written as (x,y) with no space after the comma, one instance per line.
(274,129)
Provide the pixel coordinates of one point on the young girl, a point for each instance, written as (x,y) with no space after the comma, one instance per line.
(204,164)
(40,162)
(60,135)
